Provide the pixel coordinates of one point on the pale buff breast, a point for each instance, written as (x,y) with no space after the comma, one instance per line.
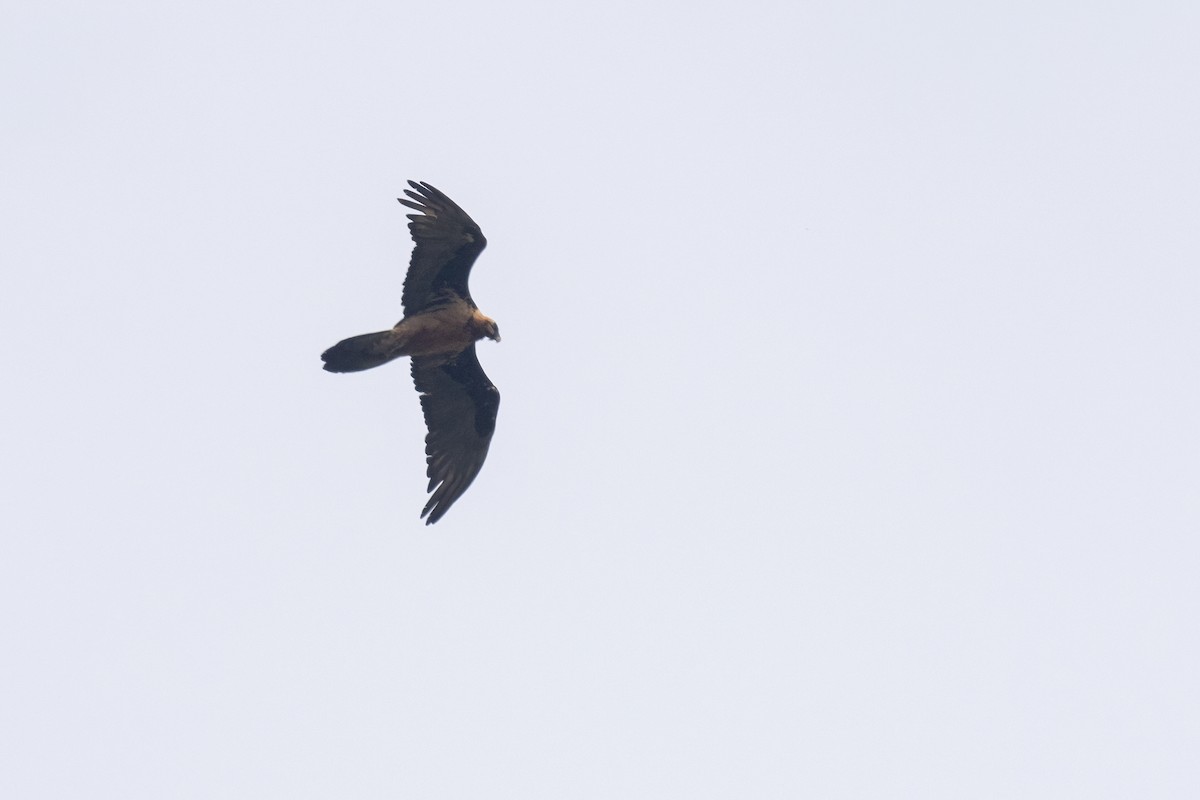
(446,330)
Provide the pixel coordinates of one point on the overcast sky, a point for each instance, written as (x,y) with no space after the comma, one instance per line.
(848,445)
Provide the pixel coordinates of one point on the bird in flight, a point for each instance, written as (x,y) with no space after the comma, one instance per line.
(440,327)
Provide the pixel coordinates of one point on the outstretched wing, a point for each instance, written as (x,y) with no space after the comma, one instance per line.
(447,244)
(460,405)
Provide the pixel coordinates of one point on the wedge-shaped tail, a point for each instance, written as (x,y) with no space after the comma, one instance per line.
(360,352)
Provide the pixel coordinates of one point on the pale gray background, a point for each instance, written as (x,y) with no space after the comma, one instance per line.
(849,436)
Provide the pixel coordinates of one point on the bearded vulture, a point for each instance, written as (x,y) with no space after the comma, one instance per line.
(440,327)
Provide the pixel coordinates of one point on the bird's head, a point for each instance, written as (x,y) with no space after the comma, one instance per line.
(483,327)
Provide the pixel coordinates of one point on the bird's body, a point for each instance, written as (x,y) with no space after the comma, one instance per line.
(440,327)
(447,329)
(443,331)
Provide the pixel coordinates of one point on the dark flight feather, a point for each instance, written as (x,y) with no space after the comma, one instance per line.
(460,406)
(447,244)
